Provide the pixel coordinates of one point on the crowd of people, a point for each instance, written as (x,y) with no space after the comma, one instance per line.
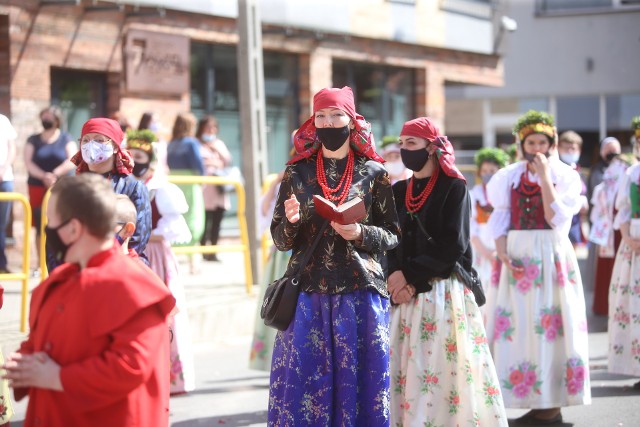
(391,326)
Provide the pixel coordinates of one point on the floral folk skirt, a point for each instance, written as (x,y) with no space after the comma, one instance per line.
(442,373)
(537,325)
(624,313)
(331,366)
(263,335)
(6,410)
(163,263)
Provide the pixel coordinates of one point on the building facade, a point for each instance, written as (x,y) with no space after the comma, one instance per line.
(577,59)
(94,58)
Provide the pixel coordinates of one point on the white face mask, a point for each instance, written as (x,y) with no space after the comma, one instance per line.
(570,158)
(95,152)
(208,137)
(396,168)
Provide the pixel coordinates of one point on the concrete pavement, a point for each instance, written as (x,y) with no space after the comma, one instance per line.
(230,394)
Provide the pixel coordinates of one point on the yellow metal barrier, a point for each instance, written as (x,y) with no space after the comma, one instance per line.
(26,252)
(44,272)
(265,241)
(242,222)
(209,249)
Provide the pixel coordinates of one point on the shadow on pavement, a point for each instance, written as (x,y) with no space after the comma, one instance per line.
(223,389)
(512,423)
(237,420)
(609,391)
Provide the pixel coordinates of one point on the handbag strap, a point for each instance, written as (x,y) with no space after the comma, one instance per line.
(310,249)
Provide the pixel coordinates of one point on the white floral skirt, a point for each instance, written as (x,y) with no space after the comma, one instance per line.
(163,263)
(263,335)
(6,410)
(488,269)
(442,373)
(537,324)
(624,313)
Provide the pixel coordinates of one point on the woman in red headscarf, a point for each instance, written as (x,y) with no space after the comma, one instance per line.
(101,152)
(331,366)
(441,369)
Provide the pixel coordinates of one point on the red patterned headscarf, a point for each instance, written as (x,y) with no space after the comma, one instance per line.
(306,141)
(123,163)
(423,127)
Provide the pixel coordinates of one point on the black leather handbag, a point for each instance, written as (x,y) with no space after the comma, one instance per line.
(281,297)
(469,278)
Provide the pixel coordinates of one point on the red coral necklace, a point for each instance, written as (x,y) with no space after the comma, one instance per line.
(527,187)
(414,204)
(345,180)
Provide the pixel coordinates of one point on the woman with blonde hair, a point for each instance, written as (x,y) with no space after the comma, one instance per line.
(184,158)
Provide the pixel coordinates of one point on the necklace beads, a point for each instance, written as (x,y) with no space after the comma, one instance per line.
(345,180)
(414,204)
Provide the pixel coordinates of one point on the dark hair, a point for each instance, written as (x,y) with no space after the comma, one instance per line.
(145,120)
(183,126)
(122,121)
(89,198)
(203,123)
(57,114)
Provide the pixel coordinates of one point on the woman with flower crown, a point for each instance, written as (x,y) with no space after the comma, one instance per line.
(441,368)
(538,326)
(331,365)
(624,292)
(488,162)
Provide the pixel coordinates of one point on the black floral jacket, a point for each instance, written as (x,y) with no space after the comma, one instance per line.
(338,266)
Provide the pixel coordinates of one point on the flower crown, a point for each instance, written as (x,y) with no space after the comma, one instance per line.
(535,122)
(635,125)
(494,155)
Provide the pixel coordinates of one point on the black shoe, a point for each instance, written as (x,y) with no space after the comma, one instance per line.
(636,386)
(530,419)
(211,257)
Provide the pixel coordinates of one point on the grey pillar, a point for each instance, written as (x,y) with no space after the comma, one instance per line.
(252,116)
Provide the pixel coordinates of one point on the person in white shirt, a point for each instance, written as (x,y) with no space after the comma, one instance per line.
(537,322)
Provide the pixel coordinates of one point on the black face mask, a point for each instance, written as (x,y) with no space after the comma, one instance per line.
(55,245)
(333,138)
(610,156)
(47,124)
(118,237)
(529,157)
(414,159)
(140,169)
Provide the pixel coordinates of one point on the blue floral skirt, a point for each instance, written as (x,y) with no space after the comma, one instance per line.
(331,366)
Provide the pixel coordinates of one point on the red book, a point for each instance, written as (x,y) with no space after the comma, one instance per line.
(347,213)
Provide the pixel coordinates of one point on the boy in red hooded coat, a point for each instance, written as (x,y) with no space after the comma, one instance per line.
(98,348)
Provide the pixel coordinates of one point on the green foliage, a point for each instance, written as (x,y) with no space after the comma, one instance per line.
(141,135)
(531,117)
(493,155)
(635,122)
(388,140)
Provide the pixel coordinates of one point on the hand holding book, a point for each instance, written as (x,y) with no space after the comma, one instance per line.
(350,212)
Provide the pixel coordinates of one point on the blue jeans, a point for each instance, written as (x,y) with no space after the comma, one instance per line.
(5,208)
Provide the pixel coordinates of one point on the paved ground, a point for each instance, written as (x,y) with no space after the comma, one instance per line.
(230,394)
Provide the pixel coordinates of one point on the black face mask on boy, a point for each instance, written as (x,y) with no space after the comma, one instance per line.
(54,244)
(333,138)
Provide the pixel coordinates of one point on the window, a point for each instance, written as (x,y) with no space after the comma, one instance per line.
(384,95)
(214,90)
(584,6)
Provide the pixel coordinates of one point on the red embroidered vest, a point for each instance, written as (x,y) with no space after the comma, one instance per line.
(527,211)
